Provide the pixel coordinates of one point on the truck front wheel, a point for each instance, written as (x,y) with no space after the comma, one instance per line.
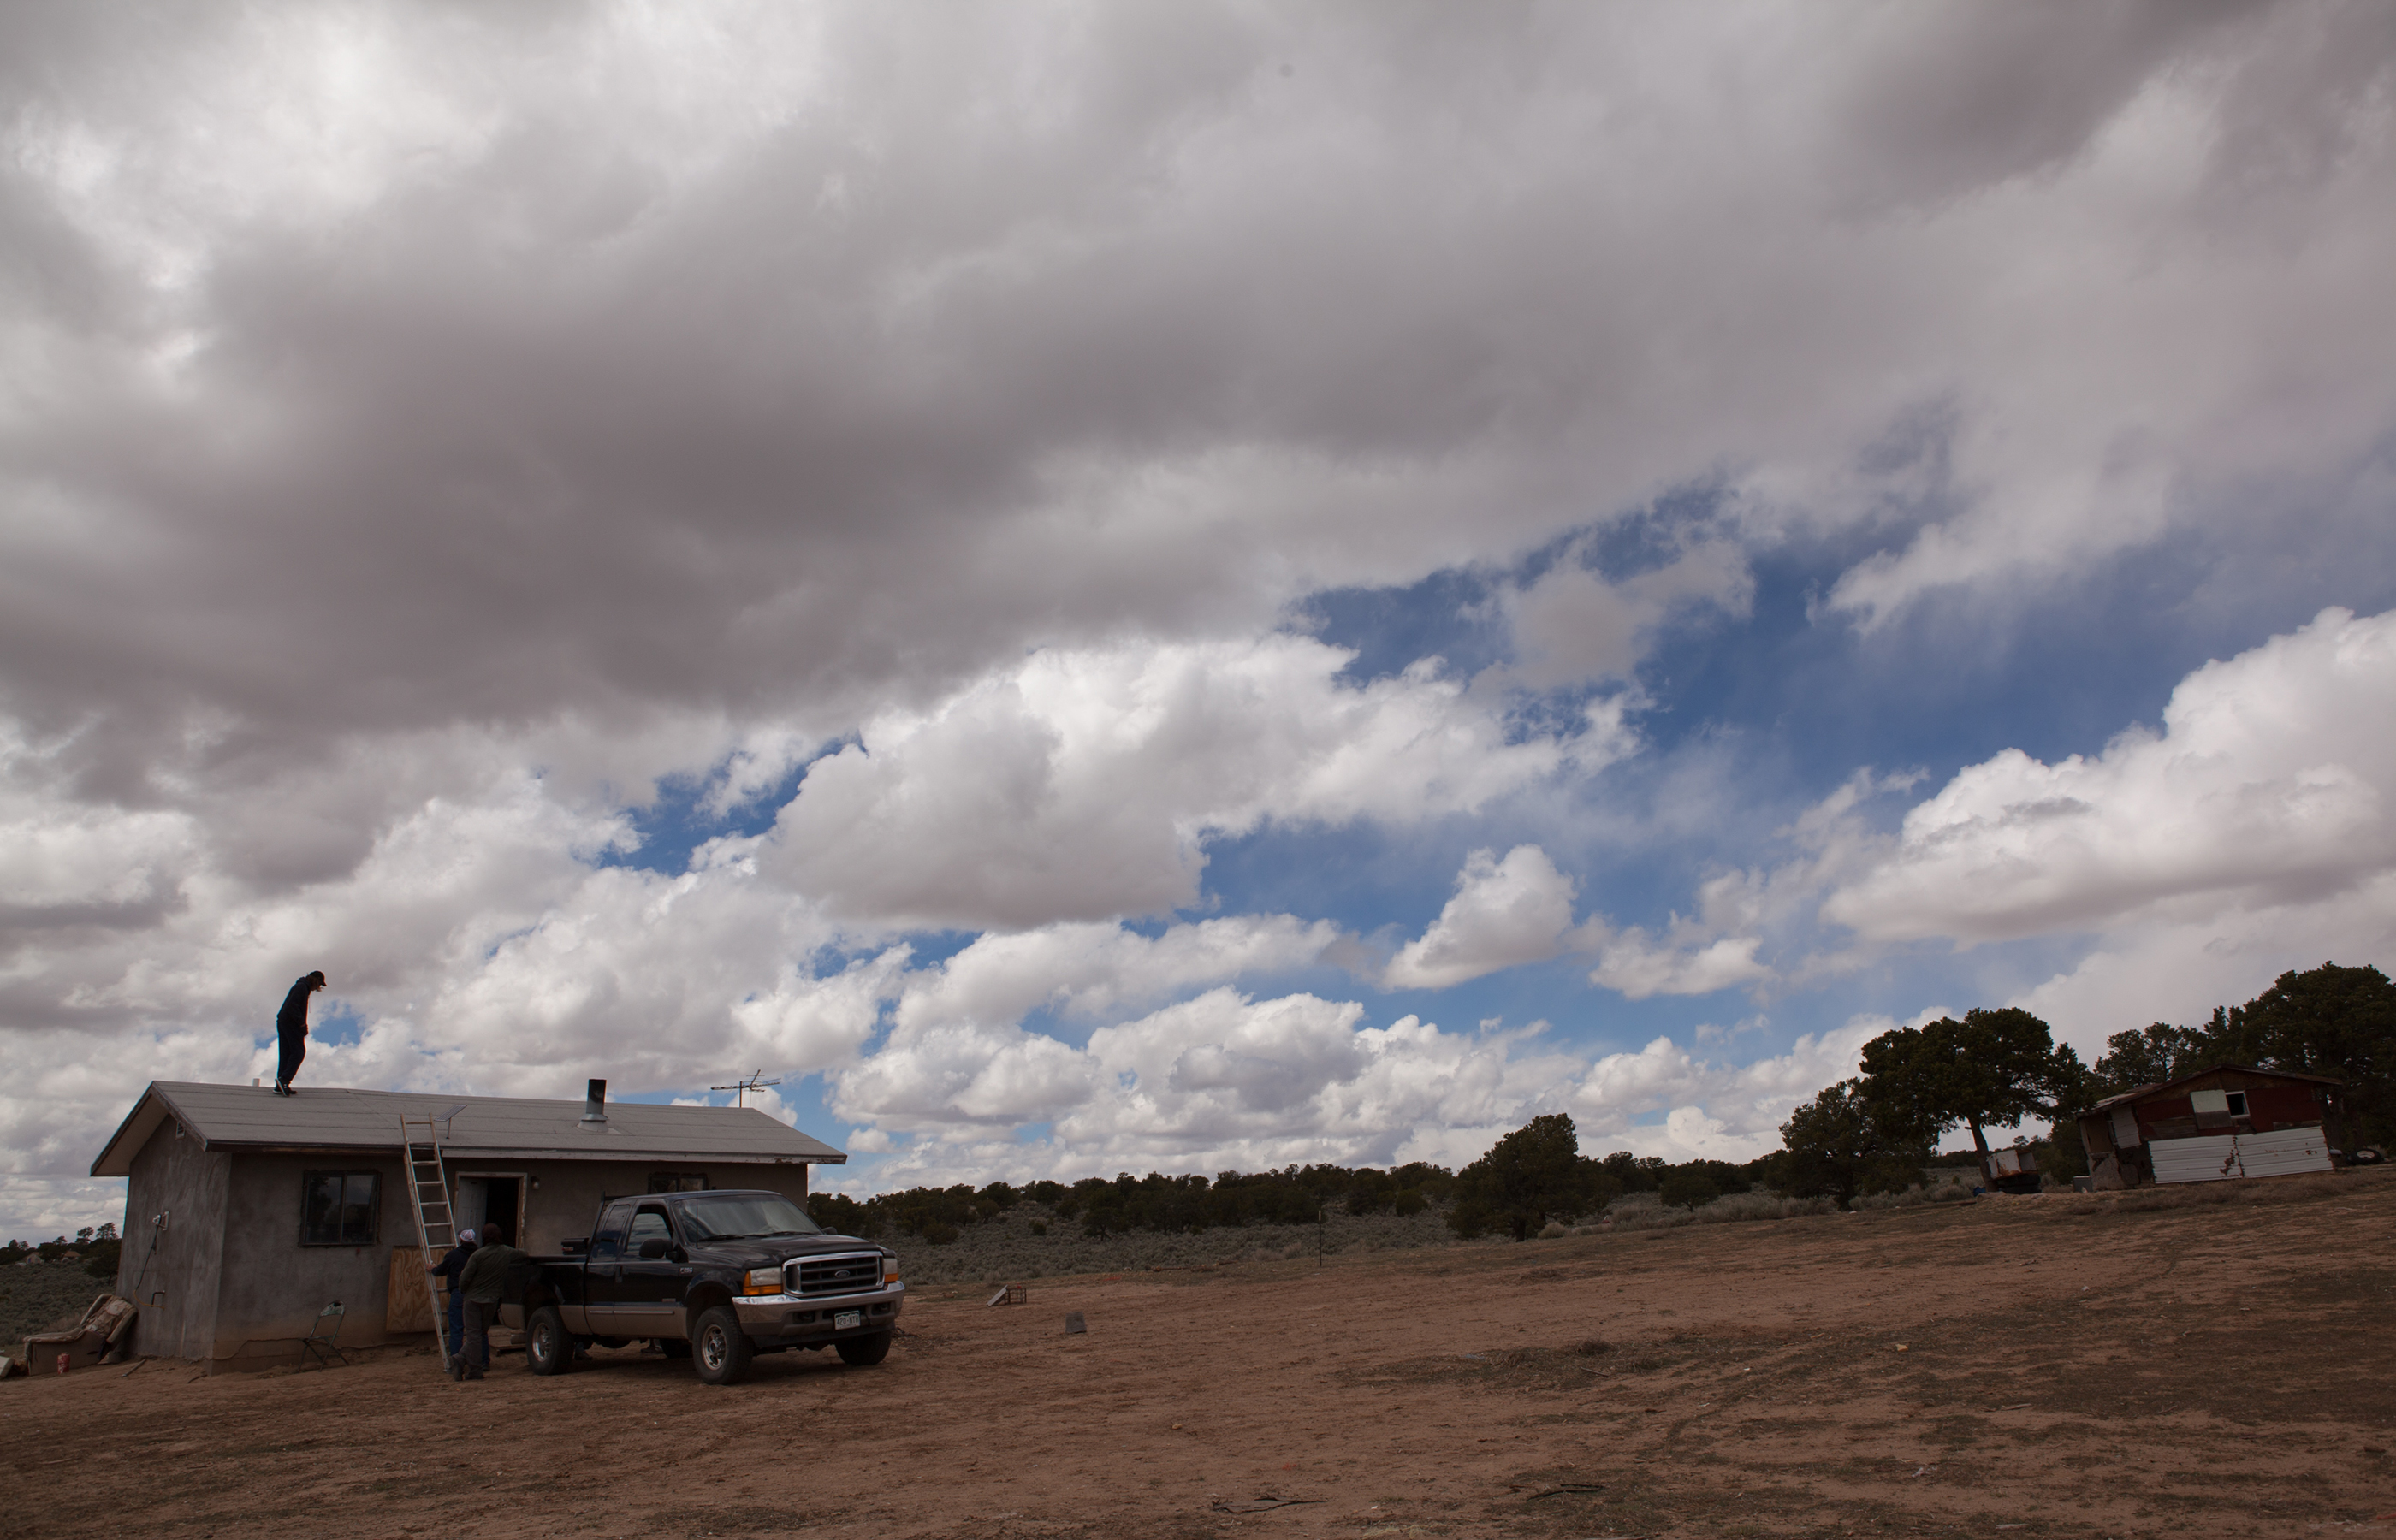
(717,1348)
(548,1351)
(863,1352)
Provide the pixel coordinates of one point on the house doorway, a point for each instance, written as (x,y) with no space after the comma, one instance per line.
(492,1198)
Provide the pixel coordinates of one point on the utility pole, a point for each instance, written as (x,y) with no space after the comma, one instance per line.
(744,1086)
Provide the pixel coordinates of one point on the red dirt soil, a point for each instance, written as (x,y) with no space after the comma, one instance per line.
(2145,1365)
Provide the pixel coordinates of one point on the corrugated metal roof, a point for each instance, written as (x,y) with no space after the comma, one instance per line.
(253,1117)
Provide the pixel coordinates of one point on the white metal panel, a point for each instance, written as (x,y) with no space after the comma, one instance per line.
(2125,1129)
(2213,1099)
(2283,1152)
(2208,1158)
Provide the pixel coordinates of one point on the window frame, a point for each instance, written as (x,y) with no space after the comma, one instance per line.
(342,1236)
(632,1241)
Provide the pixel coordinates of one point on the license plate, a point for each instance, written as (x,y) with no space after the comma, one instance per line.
(846,1318)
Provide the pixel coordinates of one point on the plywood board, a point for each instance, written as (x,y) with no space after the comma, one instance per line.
(408,1306)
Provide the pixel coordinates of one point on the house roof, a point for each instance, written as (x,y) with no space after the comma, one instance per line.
(2140,1092)
(254,1118)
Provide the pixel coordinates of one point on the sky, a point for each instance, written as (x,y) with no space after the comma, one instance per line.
(1124,587)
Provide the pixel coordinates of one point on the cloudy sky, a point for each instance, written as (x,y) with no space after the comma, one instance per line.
(1122,587)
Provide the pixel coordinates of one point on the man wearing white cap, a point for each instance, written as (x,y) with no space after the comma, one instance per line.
(448,1269)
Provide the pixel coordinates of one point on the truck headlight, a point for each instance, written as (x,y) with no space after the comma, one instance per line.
(890,1269)
(762,1281)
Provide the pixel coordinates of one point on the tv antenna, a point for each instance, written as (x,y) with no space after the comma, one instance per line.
(743,1087)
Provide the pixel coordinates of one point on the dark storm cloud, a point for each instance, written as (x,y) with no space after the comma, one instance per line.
(983,335)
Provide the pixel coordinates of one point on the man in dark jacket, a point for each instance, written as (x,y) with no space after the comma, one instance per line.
(447,1270)
(485,1272)
(291,1028)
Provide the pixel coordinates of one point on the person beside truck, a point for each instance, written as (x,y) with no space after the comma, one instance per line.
(482,1280)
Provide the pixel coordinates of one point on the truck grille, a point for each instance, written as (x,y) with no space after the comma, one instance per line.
(852,1273)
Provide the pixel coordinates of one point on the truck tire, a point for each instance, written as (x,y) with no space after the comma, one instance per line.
(864,1352)
(547,1348)
(717,1350)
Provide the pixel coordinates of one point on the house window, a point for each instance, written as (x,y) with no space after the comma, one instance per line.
(340,1208)
(677,1181)
(2237,1100)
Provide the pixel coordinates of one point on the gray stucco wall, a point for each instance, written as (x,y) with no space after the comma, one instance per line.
(247,1290)
(562,1196)
(171,1271)
(274,1286)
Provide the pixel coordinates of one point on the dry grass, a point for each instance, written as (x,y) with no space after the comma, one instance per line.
(2070,1365)
(43,1297)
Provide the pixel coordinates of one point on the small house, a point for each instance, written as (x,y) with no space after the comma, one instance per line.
(247,1213)
(2229,1121)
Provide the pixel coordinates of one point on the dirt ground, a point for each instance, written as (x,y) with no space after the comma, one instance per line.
(2043,1366)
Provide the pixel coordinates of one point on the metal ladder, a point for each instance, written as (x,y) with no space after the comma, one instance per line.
(436,1227)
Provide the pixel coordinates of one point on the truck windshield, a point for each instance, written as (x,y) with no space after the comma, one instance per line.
(743,1217)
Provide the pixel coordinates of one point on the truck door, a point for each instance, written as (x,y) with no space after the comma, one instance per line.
(603,1268)
(648,1293)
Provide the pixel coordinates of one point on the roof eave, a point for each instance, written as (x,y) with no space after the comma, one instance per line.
(150,1110)
(451,1154)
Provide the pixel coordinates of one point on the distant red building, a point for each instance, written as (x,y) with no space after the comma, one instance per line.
(2231,1120)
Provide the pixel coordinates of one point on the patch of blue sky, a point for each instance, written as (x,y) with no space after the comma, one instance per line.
(1446,616)
(331,1026)
(678,819)
(925,949)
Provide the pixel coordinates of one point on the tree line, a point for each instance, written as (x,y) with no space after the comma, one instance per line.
(1997,1067)
(97,1248)
(1490,1194)
(1875,1132)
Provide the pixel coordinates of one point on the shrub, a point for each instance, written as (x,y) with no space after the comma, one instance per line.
(1688,1189)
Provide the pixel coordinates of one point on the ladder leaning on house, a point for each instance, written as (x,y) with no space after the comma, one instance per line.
(436,1227)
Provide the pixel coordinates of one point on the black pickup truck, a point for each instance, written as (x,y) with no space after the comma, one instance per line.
(717,1277)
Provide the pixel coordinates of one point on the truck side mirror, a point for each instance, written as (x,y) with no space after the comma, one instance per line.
(652,1250)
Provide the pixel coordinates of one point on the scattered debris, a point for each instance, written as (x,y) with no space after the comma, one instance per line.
(1009,1294)
(1578,1488)
(1075,1324)
(1262,1505)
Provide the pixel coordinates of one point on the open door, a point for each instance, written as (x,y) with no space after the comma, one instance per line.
(488,1197)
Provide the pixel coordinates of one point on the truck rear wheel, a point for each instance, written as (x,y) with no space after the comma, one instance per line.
(547,1349)
(863,1352)
(717,1348)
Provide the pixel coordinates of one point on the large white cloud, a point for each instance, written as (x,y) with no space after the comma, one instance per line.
(1227,1080)
(1503,913)
(1090,970)
(2271,780)
(1082,784)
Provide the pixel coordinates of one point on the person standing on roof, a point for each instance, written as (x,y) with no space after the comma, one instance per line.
(484,1273)
(448,1269)
(291,1028)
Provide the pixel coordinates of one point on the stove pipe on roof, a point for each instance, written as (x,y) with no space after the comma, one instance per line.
(594,1104)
